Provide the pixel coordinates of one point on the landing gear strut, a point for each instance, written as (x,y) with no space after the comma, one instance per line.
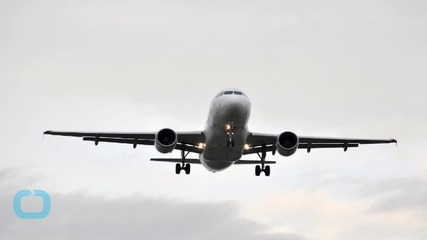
(229,129)
(262,168)
(230,142)
(183,166)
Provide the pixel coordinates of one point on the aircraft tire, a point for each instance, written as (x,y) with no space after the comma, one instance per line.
(267,171)
(187,168)
(178,168)
(257,170)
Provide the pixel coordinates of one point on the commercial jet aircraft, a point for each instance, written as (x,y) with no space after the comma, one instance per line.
(225,139)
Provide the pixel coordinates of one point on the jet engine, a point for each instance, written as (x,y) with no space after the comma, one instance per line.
(287,143)
(166,140)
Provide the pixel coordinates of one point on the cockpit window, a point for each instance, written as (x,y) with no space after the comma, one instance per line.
(229,92)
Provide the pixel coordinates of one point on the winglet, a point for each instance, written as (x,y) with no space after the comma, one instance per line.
(46,132)
(393,141)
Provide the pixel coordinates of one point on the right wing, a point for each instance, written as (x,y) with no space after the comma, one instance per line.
(187,141)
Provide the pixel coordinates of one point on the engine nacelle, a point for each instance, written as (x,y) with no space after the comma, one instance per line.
(166,140)
(287,143)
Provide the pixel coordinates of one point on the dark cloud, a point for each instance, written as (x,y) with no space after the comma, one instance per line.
(79,216)
(400,194)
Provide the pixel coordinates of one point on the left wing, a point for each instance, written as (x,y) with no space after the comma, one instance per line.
(318,142)
(187,141)
(257,140)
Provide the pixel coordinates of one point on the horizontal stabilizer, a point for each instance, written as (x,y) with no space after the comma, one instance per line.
(176,160)
(241,162)
(197,161)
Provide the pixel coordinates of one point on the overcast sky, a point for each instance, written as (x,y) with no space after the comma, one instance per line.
(330,68)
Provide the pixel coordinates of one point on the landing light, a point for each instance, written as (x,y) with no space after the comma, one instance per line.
(228,126)
(202,145)
(246,146)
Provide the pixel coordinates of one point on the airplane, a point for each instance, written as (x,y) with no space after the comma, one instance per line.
(224,140)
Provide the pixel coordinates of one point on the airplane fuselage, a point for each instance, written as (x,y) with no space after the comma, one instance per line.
(226,130)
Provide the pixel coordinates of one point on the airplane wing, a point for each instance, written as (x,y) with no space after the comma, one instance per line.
(257,140)
(319,142)
(187,141)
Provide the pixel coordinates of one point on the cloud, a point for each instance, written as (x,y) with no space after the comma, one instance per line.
(321,216)
(401,194)
(79,216)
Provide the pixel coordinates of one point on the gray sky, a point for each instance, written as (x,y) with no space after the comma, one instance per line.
(326,69)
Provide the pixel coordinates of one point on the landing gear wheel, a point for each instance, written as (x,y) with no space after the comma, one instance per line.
(257,170)
(187,168)
(267,171)
(178,168)
(230,142)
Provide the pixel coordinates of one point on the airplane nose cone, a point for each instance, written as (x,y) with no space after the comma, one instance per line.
(236,108)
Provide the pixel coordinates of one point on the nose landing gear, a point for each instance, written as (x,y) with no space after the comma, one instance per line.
(230,142)
(229,129)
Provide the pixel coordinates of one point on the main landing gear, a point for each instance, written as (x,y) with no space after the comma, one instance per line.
(262,168)
(180,167)
(183,166)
